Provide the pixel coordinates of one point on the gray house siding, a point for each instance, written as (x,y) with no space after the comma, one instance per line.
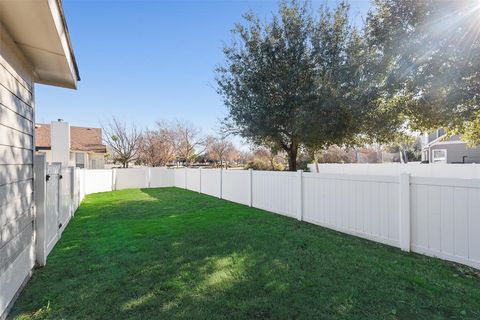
(459,153)
(16,169)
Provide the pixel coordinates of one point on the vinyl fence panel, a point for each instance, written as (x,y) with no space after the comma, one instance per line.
(236,186)
(77,188)
(97,180)
(211,182)
(65,197)
(446,218)
(429,215)
(193,179)
(131,178)
(366,206)
(52,207)
(434,170)
(180,178)
(278,192)
(161,177)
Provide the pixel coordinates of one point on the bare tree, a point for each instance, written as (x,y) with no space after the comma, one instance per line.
(189,142)
(158,145)
(124,141)
(221,150)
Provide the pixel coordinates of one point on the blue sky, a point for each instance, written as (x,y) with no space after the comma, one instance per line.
(144,61)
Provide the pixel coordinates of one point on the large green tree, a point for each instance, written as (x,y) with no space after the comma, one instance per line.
(295,81)
(425,62)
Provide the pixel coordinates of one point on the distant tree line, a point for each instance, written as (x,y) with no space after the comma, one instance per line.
(181,143)
(168,143)
(302,82)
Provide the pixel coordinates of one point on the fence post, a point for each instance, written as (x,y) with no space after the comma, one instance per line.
(404,209)
(300,195)
(40,188)
(148,177)
(114,179)
(250,175)
(185,173)
(221,183)
(72,191)
(84,179)
(200,180)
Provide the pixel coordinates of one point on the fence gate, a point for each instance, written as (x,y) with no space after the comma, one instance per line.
(65,191)
(52,219)
(57,196)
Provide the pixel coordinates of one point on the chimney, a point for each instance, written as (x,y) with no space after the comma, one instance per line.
(60,140)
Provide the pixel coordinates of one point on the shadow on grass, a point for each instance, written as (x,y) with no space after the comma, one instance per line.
(172,253)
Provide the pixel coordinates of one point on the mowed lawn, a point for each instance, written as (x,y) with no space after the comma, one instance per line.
(175,254)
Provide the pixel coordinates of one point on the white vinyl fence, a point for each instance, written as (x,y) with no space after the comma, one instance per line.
(365,206)
(279,192)
(432,212)
(434,216)
(57,196)
(236,186)
(161,177)
(210,182)
(429,215)
(434,170)
(445,218)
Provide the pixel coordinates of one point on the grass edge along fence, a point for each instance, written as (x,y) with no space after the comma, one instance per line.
(434,216)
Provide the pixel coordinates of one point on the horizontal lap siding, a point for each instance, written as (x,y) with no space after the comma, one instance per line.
(14,138)
(16,170)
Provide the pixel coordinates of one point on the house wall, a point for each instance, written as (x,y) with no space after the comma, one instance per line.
(16,169)
(48,155)
(456,153)
(60,139)
(99,159)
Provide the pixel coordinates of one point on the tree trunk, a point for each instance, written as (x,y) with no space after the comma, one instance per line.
(292,157)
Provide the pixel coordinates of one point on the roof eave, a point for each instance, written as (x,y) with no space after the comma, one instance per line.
(39,30)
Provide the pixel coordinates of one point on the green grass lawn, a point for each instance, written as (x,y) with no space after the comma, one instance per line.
(175,254)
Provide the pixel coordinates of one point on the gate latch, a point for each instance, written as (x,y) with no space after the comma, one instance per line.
(48,177)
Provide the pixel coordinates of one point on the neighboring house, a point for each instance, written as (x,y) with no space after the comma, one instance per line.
(72,146)
(34,48)
(437,148)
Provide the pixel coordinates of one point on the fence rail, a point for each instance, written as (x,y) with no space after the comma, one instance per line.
(433,170)
(57,196)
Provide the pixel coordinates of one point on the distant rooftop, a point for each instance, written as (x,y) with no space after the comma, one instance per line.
(81,138)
